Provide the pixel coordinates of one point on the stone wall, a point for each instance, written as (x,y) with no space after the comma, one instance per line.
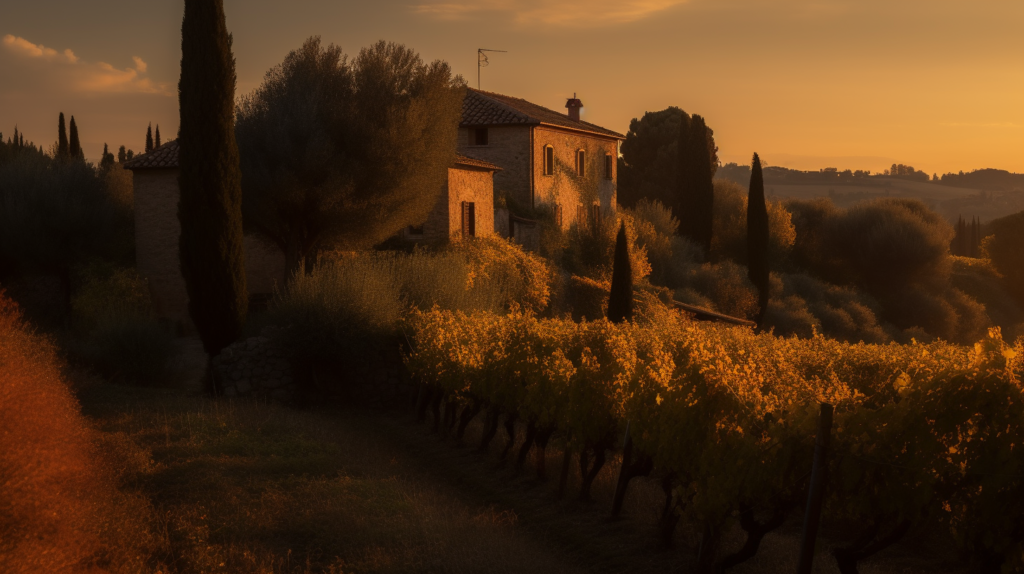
(445,220)
(519,151)
(564,187)
(509,148)
(255,367)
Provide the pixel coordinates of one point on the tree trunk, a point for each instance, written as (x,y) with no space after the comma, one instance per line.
(540,456)
(435,409)
(524,450)
(756,532)
(564,476)
(510,432)
(588,475)
(469,412)
(669,518)
(642,466)
(490,428)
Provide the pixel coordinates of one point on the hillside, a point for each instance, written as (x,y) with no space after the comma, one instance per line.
(988,194)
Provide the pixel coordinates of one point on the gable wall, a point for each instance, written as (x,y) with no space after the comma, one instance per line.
(509,148)
(564,187)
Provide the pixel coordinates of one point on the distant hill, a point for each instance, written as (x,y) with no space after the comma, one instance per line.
(987,179)
(985,193)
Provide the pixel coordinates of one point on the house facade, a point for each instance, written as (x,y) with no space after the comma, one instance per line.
(465,207)
(155,185)
(548,159)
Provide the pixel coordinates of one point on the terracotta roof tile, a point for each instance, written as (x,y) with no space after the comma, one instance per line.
(165,156)
(481,108)
(473,162)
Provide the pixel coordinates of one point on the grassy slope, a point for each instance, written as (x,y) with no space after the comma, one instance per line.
(246,487)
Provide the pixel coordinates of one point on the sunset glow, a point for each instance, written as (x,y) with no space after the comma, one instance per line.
(807,84)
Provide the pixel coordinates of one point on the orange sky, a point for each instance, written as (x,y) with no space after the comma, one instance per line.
(856,84)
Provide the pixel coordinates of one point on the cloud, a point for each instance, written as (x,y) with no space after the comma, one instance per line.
(567,13)
(88,77)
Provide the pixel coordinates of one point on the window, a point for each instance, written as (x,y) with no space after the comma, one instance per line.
(415,230)
(595,216)
(549,160)
(558,216)
(581,216)
(581,162)
(608,164)
(479,136)
(468,219)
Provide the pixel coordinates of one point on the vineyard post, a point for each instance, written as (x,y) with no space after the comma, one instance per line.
(816,492)
(620,486)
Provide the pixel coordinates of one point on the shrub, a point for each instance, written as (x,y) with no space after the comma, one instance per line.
(53,215)
(1003,246)
(120,336)
(979,279)
(839,312)
(730,226)
(332,314)
(59,510)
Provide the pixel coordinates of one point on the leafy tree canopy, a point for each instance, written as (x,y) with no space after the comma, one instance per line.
(649,165)
(344,154)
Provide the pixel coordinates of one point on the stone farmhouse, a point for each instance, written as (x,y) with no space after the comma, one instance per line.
(531,156)
(549,160)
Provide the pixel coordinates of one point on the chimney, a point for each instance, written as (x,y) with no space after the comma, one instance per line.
(574,106)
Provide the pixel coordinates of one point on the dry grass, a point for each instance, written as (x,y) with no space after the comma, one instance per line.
(249,487)
(60,510)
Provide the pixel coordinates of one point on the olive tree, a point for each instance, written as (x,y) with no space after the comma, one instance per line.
(340,153)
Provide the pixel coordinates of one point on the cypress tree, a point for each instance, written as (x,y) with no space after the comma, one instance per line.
(107,161)
(209,180)
(620,300)
(697,189)
(122,156)
(62,138)
(149,138)
(684,177)
(74,145)
(757,238)
(156,143)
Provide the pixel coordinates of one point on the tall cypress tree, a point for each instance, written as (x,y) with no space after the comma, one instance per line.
(122,155)
(62,138)
(149,138)
(757,238)
(684,178)
(620,300)
(696,187)
(209,180)
(74,145)
(156,143)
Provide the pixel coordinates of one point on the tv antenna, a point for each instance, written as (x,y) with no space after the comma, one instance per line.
(481,61)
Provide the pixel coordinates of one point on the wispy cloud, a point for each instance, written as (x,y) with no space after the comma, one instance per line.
(95,77)
(567,13)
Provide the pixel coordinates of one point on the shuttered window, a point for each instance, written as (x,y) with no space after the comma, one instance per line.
(558,216)
(549,160)
(480,136)
(581,163)
(608,166)
(468,219)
